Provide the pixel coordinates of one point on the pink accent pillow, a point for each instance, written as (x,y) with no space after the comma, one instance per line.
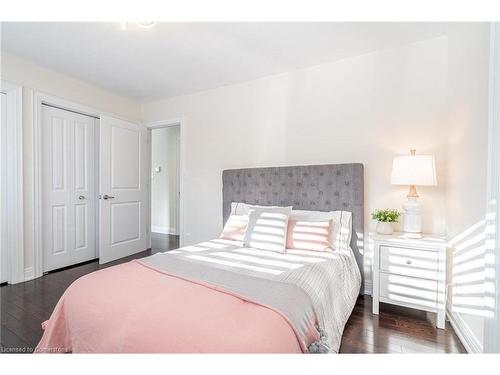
(235,228)
(309,235)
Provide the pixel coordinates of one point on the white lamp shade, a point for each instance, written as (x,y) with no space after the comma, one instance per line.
(414,170)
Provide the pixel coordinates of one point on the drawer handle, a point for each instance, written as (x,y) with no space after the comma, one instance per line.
(408,261)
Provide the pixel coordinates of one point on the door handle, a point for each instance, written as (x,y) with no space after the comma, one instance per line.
(81,197)
(106,196)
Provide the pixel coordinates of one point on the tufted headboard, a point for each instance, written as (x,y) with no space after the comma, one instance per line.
(312,187)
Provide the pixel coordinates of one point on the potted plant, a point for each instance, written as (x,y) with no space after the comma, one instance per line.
(385,218)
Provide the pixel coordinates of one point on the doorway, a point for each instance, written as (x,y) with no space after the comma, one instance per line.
(165,188)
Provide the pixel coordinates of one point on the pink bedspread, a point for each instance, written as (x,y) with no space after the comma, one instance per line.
(133,309)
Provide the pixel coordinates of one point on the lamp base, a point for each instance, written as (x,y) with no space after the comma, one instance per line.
(412,219)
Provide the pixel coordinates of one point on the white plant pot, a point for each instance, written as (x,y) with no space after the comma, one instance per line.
(384,228)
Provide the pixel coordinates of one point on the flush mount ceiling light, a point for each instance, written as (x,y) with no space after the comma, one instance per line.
(144,24)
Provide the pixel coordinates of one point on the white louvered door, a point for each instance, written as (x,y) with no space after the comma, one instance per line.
(68,188)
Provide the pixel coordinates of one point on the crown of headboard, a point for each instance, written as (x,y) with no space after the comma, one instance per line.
(327,187)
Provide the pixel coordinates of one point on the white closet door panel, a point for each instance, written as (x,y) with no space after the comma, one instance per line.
(55,138)
(125,158)
(68,188)
(123,177)
(58,158)
(59,216)
(84,197)
(81,220)
(81,157)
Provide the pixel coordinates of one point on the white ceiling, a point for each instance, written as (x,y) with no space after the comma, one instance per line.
(173,59)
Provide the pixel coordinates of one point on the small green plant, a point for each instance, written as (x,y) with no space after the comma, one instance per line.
(386,216)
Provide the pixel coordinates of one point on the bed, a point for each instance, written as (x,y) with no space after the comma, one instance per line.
(220,296)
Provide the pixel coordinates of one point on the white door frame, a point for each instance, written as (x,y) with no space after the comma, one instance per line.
(12,198)
(491,340)
(166,124)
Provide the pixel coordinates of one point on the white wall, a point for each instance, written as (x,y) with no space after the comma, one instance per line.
(364,109)
(33,77)
(164,185)
(466,172)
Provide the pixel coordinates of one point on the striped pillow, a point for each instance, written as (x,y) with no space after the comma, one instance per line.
(267,228)
(309,235)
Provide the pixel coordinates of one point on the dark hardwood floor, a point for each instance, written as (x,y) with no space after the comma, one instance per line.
(396,330)
(163,242)
(26,305)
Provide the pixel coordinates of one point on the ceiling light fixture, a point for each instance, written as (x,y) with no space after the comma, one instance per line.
(144,24)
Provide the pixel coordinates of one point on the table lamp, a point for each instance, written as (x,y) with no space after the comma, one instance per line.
(413,170)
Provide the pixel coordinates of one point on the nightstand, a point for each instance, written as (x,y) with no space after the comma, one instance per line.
(410,273)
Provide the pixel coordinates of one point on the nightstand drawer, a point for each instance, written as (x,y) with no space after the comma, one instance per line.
(408,291)
(409,262)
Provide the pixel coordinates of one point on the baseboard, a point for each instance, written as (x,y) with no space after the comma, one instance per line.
(466,336)
(29,274)
(163,230)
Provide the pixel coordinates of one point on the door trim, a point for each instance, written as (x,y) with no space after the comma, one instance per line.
(13,196)
(165,124)
(39,98)
(491,342)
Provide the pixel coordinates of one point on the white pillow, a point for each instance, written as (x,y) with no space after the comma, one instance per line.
(267,228)
(235,228)
(341,236)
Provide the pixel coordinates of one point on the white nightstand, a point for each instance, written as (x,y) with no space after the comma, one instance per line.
(410,272)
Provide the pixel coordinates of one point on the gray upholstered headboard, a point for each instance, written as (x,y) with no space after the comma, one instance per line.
(313,187)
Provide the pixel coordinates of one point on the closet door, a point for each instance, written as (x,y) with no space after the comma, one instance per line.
(68,188)
(123,170)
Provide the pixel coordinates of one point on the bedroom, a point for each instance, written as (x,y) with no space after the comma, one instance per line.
(291,139)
